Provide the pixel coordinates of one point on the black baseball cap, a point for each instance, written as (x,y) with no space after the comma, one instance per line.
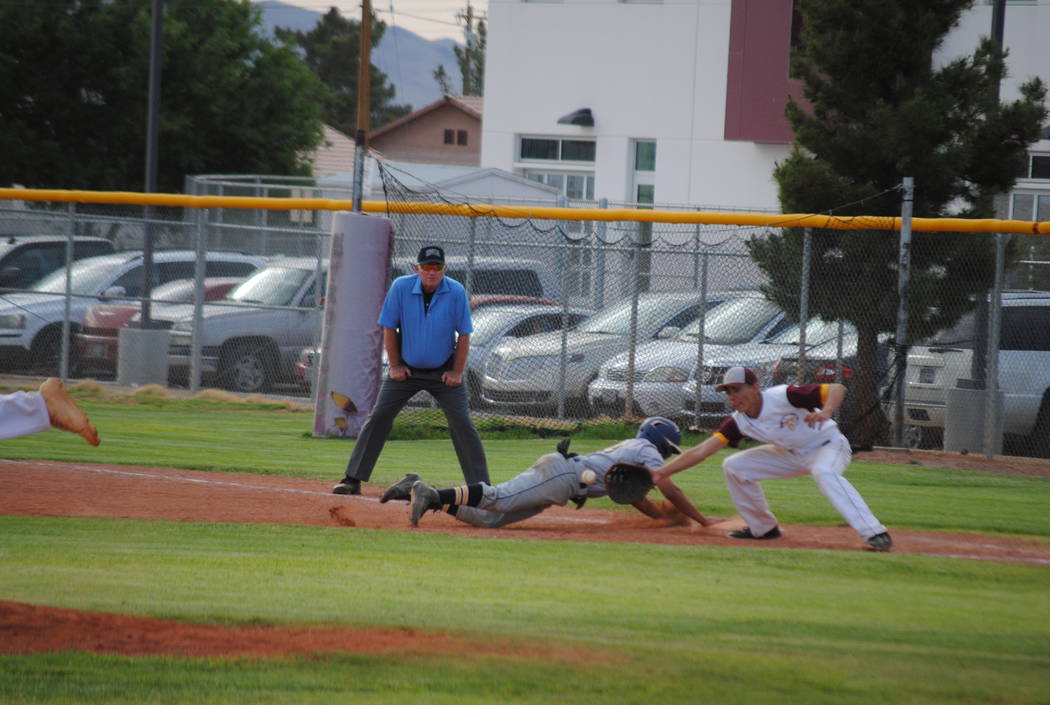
(431,254)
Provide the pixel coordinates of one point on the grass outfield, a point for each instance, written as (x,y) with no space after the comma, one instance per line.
(693,624)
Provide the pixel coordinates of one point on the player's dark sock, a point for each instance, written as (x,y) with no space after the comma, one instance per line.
(451,509)
(468,495)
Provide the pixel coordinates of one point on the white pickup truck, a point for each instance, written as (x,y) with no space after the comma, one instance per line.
(1024,373)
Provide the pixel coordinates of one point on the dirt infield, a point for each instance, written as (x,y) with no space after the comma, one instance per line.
(43,488)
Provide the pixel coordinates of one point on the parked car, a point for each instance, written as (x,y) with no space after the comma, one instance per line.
(524,374)
(26,259)
(662,366)
(761,357)
(31,322)
(251,339)
(495,318)
(938,363)
(95,346)
(498,275)
(824,365)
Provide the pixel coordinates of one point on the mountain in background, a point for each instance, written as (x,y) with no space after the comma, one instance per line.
(407,59)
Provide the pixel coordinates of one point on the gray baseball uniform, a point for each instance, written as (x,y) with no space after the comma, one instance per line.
(554,480)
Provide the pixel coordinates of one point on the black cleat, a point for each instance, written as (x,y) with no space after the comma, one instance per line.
(349,485)
(880,542)
(402,489)
(745,533)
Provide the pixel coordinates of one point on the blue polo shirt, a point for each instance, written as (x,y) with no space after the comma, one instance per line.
(428,338)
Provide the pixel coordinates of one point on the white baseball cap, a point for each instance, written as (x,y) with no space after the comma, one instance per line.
(737,375)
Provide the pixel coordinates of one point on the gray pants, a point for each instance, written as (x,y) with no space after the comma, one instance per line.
(392,398)
(552,480)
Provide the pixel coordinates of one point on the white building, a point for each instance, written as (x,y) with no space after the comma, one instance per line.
(679,102)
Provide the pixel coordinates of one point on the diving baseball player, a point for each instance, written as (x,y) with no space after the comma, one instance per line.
(555,479)
(795,424)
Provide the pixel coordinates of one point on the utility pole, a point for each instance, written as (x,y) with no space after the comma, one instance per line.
(152,146)
(364,86)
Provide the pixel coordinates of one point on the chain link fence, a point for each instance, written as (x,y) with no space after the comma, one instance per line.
(574,319)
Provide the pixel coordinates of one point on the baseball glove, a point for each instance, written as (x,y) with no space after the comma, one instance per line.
(627,483)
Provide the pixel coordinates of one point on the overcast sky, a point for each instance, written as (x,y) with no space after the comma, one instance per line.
(430,19)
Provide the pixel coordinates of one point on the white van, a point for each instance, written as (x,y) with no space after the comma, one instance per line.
(1024,373)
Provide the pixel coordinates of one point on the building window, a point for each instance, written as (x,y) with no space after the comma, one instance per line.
(1039,166)
(461,137)
(450,136)
(556,149)
(644,155)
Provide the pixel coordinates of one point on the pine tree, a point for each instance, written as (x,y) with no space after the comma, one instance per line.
(879,110)
(332,51)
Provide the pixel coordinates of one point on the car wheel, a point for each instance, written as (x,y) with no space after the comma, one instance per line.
(246,369)
(913,437)
(474,391)
(1040,438)
(46,354)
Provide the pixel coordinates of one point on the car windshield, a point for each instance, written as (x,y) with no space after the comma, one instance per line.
(616,319)
(88,278)
(817,331)
(733,322)
(273,286)
(961,335)
(490,322)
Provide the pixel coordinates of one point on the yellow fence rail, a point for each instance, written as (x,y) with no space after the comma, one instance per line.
(772,220)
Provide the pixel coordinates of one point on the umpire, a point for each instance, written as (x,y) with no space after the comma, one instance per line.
(426,334)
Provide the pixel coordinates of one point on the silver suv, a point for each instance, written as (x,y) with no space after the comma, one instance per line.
(1024,373)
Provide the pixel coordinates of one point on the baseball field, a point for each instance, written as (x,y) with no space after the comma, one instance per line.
(198,556)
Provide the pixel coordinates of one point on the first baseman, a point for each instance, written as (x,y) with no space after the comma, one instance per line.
(554,479)
(795,423)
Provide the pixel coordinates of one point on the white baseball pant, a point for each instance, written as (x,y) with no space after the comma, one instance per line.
(827,463)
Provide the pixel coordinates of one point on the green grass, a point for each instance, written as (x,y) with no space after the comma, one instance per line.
(750,625)
(685,624)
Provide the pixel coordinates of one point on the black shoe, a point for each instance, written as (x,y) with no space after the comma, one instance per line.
(880,542)
(402,489)
(424,498)
(349,485)
(745,533)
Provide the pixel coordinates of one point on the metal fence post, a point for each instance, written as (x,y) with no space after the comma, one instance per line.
(599,258)
(993,408)
(698,395)
(632,335)
(63,350)
(903,276)
(198,300)
(803,303)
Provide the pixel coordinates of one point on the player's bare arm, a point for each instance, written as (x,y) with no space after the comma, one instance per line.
(397,370)
(836,395)
(675,496)
(689,458)
(454,377)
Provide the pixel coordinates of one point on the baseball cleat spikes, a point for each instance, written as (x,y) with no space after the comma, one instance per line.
(745,533)
(880,542)
(424,497)
(402,489)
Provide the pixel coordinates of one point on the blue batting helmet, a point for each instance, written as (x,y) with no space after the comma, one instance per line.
(662,433)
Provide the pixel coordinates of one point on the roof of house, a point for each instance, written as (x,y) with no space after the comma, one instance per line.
(469,104)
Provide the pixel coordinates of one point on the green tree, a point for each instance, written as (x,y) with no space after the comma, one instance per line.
(879,111)
(332,51)
(470,58)
(74,89)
